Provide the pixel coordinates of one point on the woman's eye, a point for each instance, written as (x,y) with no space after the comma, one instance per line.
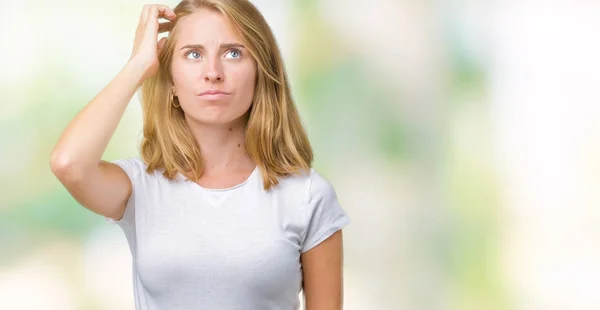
(233,54)
(195,54)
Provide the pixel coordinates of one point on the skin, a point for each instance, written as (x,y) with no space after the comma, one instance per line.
(208,56)
(323,276)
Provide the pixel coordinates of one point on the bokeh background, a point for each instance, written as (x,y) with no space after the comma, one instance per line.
(462,138)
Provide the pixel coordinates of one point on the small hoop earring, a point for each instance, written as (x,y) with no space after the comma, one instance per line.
(173,102)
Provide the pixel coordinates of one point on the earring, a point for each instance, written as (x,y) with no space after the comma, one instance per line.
(173,102)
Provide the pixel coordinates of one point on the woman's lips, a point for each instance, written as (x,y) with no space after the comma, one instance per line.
(213,95)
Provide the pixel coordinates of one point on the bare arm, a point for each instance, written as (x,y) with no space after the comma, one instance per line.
(322,273)
(76,159)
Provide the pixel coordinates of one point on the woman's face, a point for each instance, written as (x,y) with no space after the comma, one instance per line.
(213,73)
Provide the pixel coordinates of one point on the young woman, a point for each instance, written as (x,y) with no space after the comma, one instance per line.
(222,209)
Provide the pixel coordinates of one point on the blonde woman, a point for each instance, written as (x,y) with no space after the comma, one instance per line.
(222,209)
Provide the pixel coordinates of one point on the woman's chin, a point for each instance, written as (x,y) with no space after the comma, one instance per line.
(212,118)
(214,115)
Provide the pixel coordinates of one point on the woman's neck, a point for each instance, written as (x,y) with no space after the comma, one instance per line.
(222,147)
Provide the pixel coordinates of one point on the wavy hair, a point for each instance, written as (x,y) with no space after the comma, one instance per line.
(275,138)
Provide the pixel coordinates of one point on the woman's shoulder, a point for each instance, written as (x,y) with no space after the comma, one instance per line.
(135,168)
(130,164)
(133,160)
(300,178)
(309,182)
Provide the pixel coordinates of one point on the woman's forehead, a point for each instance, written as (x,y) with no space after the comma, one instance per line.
(205,27)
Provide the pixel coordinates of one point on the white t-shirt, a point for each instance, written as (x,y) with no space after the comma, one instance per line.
(234,248)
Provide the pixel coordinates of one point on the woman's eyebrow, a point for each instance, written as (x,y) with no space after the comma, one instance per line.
(222,46)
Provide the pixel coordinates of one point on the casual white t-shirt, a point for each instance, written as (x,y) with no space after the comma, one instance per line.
(234,248)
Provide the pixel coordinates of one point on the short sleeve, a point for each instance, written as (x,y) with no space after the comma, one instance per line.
(134,168)
(324,214)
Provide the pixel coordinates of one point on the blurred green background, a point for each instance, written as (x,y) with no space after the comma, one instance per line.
(461,137)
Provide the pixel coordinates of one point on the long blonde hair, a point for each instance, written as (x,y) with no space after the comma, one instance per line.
(275,138)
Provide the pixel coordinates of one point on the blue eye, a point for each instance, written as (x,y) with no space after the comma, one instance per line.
(234,54)
(193,52)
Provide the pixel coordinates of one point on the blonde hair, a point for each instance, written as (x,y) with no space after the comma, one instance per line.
(275,138)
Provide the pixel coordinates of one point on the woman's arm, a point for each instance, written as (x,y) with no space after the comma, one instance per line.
(323,277)
(102,187)
(76,159)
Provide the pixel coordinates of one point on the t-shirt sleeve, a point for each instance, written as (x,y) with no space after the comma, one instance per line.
(134,168)
(324,214)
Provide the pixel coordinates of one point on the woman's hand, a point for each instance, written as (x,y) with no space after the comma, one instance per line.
(145,47)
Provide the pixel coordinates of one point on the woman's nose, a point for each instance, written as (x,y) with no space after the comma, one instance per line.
(213,76)
(213,72)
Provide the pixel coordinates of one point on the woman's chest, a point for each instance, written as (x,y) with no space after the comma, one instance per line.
(239,238)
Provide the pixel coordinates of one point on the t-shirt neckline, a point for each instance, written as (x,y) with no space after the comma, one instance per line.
(246,181)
